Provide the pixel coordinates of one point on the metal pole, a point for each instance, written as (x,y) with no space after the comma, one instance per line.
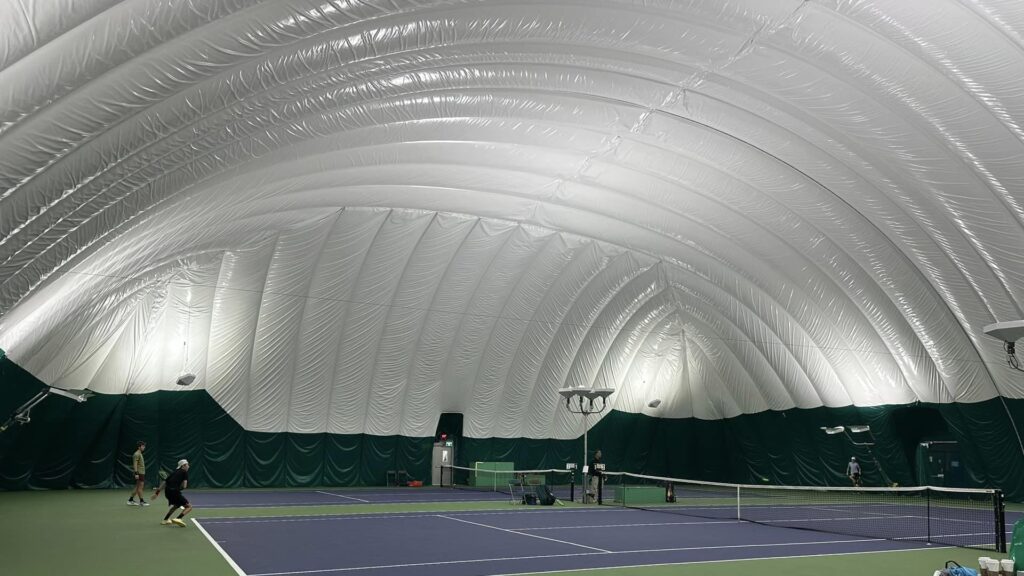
(739,511)
(1000,508)
(586,477)
(928,513)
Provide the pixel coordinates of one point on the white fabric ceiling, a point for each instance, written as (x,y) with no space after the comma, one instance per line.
(352,216)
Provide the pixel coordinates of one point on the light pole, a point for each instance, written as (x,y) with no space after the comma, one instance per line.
(848,431)
(586,401)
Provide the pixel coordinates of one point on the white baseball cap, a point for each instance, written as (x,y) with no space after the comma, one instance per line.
(182,462)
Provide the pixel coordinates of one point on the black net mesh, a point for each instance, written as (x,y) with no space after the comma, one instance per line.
(512,482)
(951,516)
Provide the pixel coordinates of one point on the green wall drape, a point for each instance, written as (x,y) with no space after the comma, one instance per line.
(68,444)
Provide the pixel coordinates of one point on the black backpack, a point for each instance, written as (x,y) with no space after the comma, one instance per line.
(544,495)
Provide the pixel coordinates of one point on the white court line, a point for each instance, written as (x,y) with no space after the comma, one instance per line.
(699,523)
(394,515)
(880,515)
(343,496)
(513,558)
(322,503)
(719,561)
(521,534)
(831,519)
(238,570)
(269,505)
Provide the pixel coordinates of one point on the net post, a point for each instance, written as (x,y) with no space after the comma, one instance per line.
(572,486)
(600,490)
(1000,511)
(739,514)
(928,514)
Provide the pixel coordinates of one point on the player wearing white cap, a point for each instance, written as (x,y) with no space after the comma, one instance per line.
(174,483)
(853,471)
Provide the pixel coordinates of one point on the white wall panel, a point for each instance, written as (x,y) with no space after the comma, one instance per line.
(352,217)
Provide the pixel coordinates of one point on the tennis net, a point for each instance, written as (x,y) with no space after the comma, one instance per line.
(950,516)
(560,482)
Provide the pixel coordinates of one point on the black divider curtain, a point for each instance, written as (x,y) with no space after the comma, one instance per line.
(988,433)
(90,445)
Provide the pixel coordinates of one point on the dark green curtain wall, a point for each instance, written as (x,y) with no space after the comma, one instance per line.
(89,445)
(788,447)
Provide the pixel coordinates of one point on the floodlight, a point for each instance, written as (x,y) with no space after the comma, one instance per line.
(76,395)
(1006,331)
(586,401)
(1009,333)
(851,429)
(23,415)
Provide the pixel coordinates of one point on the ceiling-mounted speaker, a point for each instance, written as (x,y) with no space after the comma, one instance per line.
(186,379)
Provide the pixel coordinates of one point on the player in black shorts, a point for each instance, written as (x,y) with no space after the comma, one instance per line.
(853,471)
(173,485)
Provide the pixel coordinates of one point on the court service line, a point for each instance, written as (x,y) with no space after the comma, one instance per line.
(238,570)
(397,515)
(516,558)
(718,561)
(698,523)
(343,496)
(322,503)
(521,534)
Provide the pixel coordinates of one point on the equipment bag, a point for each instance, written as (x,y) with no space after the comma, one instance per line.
(545,497)
(954,569)
(1017,545)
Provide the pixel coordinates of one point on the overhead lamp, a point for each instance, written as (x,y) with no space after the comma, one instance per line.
(23,415)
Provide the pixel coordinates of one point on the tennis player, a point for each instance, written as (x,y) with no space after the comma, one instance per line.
(139,474)
(174,484)
(853,471)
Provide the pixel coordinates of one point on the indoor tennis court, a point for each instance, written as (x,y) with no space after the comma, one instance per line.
(507,287)
(510,542)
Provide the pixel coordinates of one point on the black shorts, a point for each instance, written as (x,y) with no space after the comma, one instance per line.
(176,498)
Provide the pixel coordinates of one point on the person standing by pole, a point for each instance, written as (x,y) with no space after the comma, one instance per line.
(595,476)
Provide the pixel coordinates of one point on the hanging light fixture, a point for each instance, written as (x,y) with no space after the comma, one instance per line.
(187,378)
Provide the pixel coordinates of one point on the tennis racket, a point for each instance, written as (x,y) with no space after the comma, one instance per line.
(163,474)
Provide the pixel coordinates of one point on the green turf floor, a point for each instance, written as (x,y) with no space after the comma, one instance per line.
(93,533)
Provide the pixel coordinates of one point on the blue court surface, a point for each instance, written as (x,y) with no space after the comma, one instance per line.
(329,496)
(488,543)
